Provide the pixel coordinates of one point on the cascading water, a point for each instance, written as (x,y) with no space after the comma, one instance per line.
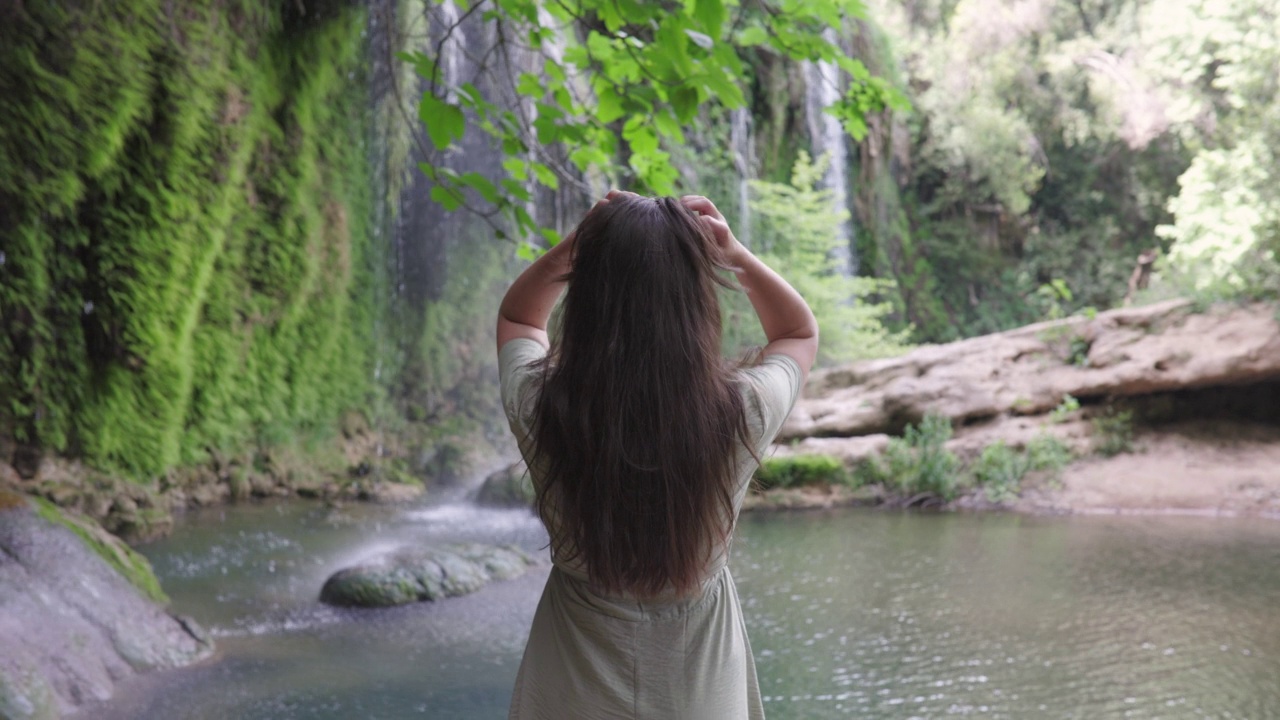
(822,89)
(744,163)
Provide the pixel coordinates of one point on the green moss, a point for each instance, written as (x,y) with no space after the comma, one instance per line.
(126,561)
(187,208)
(801,470)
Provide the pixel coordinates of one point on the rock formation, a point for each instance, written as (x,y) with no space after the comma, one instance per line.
(1161,359)
(509,487)
(71,625)
(416,574)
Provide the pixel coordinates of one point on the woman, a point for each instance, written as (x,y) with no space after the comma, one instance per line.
(641,441)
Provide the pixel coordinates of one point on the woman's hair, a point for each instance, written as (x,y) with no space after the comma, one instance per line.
(638,421)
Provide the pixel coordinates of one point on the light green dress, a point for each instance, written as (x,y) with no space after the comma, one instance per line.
(608,658)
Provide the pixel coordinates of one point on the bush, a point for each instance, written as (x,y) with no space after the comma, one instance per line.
(1048,453)
(918,463)
(1114,432)
(1000,469)
(802,470)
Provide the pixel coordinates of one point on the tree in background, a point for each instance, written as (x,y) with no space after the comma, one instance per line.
(794,233)
(1038,151)
(1220,60)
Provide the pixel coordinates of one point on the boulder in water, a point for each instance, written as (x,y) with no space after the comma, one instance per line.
(417,574)
(508,487)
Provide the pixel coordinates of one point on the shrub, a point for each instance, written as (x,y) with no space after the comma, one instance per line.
(1048,453)
(801,470)
(1114,432)
(999,471)
(918,463)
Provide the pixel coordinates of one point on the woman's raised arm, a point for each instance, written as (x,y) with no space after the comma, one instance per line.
(788,323)
(527,305)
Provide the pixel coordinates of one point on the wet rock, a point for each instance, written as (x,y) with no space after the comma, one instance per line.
(508,487)
(71,624)
(417,574)
(390,492)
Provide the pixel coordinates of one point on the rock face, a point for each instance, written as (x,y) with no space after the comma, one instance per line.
(415,574)
(71,626)
(508,487)
(1010,377)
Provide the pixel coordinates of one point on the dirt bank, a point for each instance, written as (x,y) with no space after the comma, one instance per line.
(1199,468)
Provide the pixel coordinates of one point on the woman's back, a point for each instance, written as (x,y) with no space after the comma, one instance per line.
(595,654)
(641,441)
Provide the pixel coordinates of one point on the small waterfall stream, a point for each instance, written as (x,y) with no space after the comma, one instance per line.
(823,88)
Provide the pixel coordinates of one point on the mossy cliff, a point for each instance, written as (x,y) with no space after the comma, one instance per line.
(196,256)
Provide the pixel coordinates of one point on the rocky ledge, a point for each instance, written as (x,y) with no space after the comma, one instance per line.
(79,612)
(1134,383)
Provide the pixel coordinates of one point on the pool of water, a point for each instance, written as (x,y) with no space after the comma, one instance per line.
(851,613)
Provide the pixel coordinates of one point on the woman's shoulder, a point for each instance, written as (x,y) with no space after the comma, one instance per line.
(770,388)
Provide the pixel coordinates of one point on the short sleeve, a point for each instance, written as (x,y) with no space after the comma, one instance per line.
(515,376)
(771,389)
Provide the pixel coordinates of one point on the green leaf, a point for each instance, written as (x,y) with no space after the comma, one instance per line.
(587,156)
(545,175)
(684,100)
(552,237)
(609,106)
(515,189)
(516,167)
(711,14)
(641,137)
(445,122)
(669,126)
(446,197)
(754,35)
(480,184)
(547,129)
(530,85)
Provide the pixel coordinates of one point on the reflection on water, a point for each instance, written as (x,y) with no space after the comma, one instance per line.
(851,614)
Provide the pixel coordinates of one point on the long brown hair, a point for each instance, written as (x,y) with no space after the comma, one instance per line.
(638,422)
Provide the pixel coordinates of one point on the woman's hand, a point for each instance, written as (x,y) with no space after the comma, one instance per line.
(786,319)
(731,250)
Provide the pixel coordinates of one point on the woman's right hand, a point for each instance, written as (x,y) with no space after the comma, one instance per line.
(732,250)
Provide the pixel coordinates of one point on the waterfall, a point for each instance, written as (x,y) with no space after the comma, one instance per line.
(743,162)
(453,49)
(822,88)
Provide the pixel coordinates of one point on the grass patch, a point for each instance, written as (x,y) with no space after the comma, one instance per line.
(802,471)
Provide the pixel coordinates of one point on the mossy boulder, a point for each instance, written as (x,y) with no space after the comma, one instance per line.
(125,560)
(423,574)
(508,487)
(72,624)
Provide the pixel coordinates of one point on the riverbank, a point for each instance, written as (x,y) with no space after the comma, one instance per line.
(1159,409)
(361,464)
(1195,469)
